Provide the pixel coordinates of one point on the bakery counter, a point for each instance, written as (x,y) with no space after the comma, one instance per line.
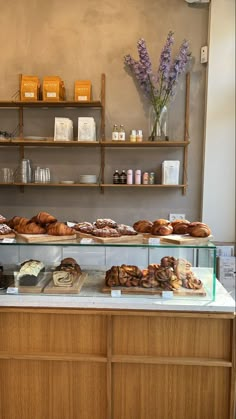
(104,357)
(91,297)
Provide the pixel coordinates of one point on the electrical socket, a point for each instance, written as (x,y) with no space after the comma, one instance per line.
(173,217)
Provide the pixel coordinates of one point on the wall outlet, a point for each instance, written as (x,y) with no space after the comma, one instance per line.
(204,54)
(173,217)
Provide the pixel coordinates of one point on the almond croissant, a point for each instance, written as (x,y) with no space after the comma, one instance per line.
(43,218)
(59,229)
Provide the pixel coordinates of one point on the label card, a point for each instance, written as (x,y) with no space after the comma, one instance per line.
(167,295)
(8,240)
(153,240)
(116,293)
(12,290)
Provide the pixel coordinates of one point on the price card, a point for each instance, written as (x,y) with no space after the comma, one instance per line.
(153,240)
(86,240)
(12,290)
(8,240)
(116,293)
(167,295)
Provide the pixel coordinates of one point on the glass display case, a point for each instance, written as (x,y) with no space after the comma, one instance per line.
(153,270)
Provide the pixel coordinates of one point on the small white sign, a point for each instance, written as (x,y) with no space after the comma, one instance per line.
(86,241)
(12,290)
(153,240)
(116,293)
(167,295)
(8,240)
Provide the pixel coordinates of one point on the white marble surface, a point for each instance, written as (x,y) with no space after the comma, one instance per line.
(224,303)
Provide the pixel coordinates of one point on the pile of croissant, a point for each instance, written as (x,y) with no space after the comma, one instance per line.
(42,223)
(169,275)
(162,227)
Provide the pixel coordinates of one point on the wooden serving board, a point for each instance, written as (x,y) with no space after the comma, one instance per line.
(74,289)
(39,287)
(138,238)
(154,291)
(7,236)
(184,239)
(43,238)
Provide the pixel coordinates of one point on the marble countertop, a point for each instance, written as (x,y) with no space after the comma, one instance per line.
(90,299)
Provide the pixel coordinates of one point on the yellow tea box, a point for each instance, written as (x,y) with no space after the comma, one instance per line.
(53,88)
(29,88)
(83,90)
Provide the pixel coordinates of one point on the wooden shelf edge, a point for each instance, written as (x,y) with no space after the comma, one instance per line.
(207,362)
(50,104)
(143,144)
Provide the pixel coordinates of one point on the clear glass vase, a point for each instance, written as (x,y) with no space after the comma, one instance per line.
(158,125)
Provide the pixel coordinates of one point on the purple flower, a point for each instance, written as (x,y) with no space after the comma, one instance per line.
(159,87)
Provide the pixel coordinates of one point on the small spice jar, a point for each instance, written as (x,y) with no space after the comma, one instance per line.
(145,178)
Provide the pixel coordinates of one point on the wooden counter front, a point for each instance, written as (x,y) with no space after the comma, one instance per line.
(98,364)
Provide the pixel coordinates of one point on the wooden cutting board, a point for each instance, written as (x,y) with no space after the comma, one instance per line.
(184,239)
(43,238)
(7,236)
(38,288)
(155,291)
(74,289)
(138,238)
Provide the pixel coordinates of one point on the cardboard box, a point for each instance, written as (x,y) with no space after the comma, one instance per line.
(225,273)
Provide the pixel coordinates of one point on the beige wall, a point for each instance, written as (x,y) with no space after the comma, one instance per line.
(80,40)
(219,173)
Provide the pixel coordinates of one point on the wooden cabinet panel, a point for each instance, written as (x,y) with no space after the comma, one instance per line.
(52,390)
(170,392)
(52,333)
(172,337)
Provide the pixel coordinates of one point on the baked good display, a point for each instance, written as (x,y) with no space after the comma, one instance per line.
(105,232)
(5,229)
(66,273)
(59,229)
(84,227)
(180,226)
(2,219)
(43,218)
(161,227)
(29,272)
(169,275)
(198,229)
(143,226)
(105,222)
(30,228)
(126,230)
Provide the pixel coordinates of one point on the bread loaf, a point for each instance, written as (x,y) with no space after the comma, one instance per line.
(198,229)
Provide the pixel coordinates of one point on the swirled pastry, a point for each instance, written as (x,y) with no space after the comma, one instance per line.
(143,226)
(198,229)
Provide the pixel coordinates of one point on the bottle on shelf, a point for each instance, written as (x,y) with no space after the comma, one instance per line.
(137,180)
(122,133)
(116,177)
(115,133)
(129,177)
(139,136)
(145,178)
(132,136)
(123,177)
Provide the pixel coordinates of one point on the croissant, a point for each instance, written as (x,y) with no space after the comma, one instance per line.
(43,218)
(59,229)
(13,221)
(30,228)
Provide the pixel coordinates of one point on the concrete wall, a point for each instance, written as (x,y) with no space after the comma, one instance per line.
(80,40)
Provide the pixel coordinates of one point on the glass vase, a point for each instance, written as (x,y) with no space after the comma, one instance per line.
(158,125)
